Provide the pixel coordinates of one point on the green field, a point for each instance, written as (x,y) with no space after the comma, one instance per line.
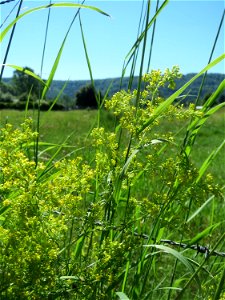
(75,126)
(100,237)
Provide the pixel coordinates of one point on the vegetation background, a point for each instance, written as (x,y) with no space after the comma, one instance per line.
(124,201)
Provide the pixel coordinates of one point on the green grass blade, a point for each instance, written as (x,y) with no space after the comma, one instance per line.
(3,34)
(143,55)
(45,39)
(200,208)
(210,57)
(135,56)
(125,275)
(27,103)
(208,161)
(136,45)
(49,81)
(195,126)
(30,73)
(152,39)
(220,287)
(58,96)
(53,70)
(203,234)
(179,257)
(214,96)
(49,163)
(163,106)
(180,295)
(10,41)
(197,123)
(122,296)
(4,209)
(86,53)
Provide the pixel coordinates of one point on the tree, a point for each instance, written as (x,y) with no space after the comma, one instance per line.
(86,97)
(24,83)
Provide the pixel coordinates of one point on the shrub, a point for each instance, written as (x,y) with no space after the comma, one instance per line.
(87,97)
(74,229)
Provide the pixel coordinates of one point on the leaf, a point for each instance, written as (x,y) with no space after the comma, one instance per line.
(3,34)
(54,68)
(208,161)
(122,296)
(4,209)
(68,277)
(200,209)
(220,288)
(30,73)
(164,105)
(178,256)
(202,234)
(142,35)
(197,123)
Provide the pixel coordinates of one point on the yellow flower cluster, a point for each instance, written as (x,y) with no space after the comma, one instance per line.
(36,214)
(106,151)
(134,114)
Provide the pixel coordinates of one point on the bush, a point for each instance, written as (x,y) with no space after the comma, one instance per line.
(87,97)
(82,230)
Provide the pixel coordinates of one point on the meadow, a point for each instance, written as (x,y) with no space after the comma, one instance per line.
(74,128)
(122,202)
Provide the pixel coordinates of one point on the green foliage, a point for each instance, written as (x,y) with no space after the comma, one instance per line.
(74,228)
(91,225)
(211,83)
(88,97)
(24,84)
(6,88)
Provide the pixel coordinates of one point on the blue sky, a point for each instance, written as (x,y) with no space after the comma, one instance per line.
(185,32)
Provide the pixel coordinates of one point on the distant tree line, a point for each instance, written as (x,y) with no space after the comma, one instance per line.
(23,89)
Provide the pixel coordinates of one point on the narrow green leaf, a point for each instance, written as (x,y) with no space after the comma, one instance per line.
(57,98)
(68,277)
(122,296)
(200,208)
(215,95)
(220,287)
(170,288)
(142,35)
(163,106)
(126,165)
(197,123)
(30,73)
(86,53)
(53,70)
(3,34)
(208,161)
(4,209)
(178,256)
(202,234)
(125,275)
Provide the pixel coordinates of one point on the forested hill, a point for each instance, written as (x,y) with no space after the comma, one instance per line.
(211,83)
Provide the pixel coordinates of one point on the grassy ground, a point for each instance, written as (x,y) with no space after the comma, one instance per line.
(57,126)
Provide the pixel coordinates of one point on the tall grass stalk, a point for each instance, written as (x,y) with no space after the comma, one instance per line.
(10,41)
(210,57)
